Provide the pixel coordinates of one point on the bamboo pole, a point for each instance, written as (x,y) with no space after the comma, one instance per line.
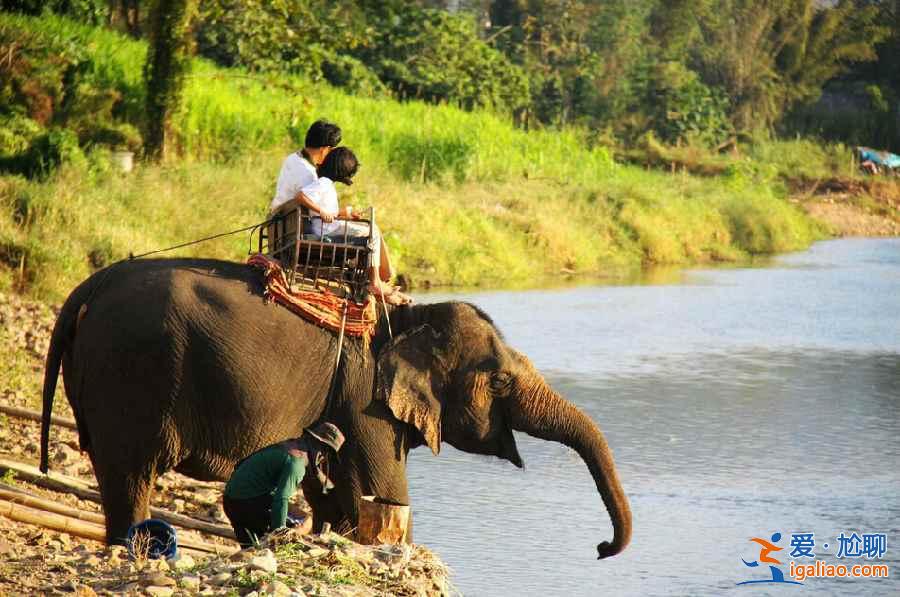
(50,520)
(66,484)
(33,501)
(24,413)
(33,510)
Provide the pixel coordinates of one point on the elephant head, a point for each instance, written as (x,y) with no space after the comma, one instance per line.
(451,377)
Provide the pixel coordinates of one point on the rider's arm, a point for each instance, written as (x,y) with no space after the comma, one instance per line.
(321,198)
(308,203)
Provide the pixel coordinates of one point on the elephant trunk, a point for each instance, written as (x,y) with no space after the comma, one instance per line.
(540,412)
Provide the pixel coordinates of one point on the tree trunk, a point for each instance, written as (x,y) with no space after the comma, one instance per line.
(168,61)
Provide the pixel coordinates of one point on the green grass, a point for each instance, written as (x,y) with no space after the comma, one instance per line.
(464,198)
(805,159)
(471,234)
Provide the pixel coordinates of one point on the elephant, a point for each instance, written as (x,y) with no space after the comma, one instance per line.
(183,364)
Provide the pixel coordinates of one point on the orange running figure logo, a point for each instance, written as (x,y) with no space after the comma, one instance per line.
(767,547)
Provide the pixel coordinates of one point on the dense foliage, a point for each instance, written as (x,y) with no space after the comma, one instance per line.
(687,71)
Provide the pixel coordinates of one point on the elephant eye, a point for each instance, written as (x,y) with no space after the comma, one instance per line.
(500,380)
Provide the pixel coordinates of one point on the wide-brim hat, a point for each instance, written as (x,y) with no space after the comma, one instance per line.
(328,434)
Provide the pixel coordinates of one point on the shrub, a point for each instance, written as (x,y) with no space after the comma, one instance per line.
(352,75)
(16,134)
(45,153)
(693,112)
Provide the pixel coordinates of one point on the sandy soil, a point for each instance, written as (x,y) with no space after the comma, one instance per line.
(869,207)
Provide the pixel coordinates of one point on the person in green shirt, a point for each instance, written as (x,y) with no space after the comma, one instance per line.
(257,495)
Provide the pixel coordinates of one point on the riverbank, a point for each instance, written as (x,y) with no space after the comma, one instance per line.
(868,207)
(36,560)
(54,233)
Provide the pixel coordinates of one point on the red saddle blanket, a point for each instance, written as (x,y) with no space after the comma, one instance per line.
(319,306)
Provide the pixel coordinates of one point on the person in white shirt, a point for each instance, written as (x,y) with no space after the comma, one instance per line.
(320,197)
(299,168)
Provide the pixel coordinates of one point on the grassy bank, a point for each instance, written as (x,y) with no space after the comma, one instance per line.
(54,232)
(464,197)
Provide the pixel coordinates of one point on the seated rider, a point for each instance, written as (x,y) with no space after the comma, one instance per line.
(256,497)
(299,168)
(320,197)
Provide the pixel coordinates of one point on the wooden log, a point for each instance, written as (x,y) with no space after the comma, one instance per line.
(30,509)
(32,415)
(66,484)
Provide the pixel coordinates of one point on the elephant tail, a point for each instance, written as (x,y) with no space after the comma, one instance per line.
(73,311)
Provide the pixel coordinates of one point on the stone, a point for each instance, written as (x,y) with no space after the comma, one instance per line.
(182,561)
(91,561)
(159,591)
(64,454)
(360,553)
(65,569)
(258,575)
(277,588)
(265,561)
(85,591)
(158,579)
(220,579)
(158,565)
(317,552)
(191,583)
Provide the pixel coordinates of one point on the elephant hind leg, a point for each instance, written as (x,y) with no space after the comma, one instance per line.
(126,500)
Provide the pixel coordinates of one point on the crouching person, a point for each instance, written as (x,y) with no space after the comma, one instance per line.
(257,495)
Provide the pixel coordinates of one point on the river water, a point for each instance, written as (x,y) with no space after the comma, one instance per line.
(739,403)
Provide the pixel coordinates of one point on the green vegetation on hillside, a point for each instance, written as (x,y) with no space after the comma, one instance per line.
(464,197)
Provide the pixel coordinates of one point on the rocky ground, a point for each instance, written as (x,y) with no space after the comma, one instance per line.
(35,560)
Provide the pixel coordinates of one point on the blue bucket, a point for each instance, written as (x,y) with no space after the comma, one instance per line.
(162,540)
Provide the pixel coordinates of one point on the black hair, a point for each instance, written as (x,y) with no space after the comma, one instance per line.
(323,134)
(340,165)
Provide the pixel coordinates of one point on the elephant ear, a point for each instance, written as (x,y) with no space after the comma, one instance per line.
(409,376)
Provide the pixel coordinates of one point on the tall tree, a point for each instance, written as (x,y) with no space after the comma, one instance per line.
(770,55)
(168,61)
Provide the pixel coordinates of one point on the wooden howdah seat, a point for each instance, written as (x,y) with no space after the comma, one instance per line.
(337,262)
